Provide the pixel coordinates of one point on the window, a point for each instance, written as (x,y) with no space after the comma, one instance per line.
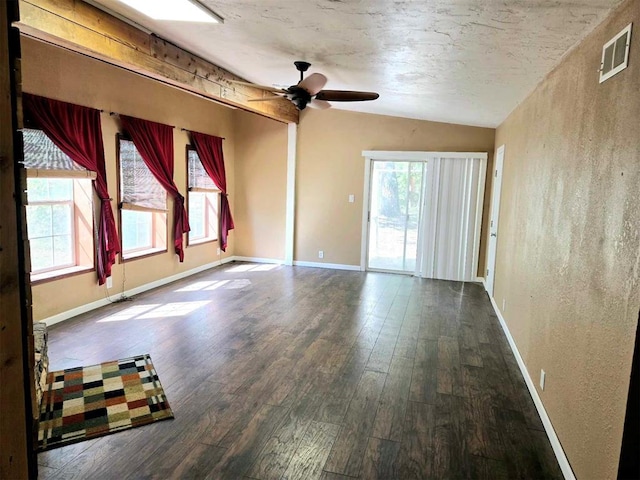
(202,201)
(59,209)
(143,204)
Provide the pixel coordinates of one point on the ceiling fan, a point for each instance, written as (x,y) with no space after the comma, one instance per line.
(309,91)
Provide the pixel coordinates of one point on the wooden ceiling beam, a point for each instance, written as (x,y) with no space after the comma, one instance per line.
(83,28)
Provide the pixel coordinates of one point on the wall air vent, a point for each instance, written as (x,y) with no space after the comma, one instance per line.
(615,54)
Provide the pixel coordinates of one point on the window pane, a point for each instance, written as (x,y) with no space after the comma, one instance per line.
(129,230)
(39,221)
(49,189)
(136,230)
(37,189)
(620,51)
(62,219)
(60,189)
(41,253)
(62,250)
(212,214)
(143,238)
(196,215)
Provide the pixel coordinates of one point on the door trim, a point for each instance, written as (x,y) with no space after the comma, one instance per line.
(495,208)
(365,214)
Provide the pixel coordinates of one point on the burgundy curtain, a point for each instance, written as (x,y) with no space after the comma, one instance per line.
(154,142)
(209,149)
(76,131)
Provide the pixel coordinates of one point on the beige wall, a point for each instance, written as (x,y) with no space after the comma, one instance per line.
(62,75)
(261,193)
(330,166)
(569,246)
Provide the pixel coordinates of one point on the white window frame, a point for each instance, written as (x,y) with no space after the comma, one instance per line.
(77,264)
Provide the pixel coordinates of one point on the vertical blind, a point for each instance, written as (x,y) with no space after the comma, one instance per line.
(452,215)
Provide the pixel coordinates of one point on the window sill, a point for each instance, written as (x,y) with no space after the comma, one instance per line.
(201,241)
(142,253)
(37,278)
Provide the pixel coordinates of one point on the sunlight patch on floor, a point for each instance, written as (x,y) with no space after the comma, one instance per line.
(156,310)
(195,286)
(175,309)
(129,313)
(198,286)
(238,284)
(263,267)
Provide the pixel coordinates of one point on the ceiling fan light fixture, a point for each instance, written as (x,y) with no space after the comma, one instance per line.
(174,10)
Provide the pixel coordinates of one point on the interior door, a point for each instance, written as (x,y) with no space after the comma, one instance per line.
(493,224)
(395,200)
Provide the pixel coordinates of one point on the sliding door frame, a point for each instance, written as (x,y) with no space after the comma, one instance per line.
(404,156)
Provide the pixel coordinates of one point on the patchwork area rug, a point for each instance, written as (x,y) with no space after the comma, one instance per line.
(87,402)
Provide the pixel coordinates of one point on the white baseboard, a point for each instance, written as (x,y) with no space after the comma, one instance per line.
(333,266)
(480,280)
(563,461)
(60,317)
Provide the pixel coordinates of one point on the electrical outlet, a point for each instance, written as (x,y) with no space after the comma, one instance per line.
(320,254)
(543,375)
(218,253)
(504,305)
(109,282)
(352,198)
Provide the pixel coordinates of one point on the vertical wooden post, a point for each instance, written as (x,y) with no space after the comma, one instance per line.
(17,456)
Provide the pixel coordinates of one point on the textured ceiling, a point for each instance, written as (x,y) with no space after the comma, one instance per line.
(459,61)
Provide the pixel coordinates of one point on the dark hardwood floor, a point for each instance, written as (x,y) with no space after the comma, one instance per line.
(300,373)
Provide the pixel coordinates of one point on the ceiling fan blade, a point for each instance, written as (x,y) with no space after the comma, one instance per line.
(345,96)
(319,104)
(261,87)
(265,99)
(313,83)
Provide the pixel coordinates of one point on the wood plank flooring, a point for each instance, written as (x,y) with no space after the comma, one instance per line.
(280,372)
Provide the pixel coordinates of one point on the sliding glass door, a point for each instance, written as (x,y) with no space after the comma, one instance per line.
(423,213)
(394,215)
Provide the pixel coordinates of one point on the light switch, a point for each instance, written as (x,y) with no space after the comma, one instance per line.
(352,198)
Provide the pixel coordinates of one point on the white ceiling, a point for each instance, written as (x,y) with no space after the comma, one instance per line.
(458,61)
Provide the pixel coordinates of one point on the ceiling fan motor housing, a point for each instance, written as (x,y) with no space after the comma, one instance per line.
(299,96)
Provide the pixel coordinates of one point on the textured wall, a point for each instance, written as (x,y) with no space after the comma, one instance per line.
(59,74)
(330,166)
(261,186)
(569,245)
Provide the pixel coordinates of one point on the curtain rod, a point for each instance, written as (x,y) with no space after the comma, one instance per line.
(116,114)
(187,130)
